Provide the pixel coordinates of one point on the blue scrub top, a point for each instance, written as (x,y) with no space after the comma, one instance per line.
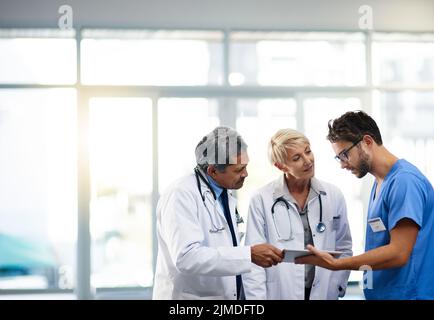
(405,193)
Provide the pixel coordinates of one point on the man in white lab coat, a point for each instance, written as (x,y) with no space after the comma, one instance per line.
(199,252)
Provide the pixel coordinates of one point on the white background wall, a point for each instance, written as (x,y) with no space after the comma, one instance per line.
(414,15)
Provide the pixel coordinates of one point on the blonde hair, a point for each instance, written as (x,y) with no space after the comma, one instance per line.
(283,140)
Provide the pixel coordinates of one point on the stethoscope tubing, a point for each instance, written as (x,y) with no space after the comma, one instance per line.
(199,177)
(320,227)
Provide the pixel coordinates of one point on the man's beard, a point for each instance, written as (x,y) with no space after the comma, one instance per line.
(363,168)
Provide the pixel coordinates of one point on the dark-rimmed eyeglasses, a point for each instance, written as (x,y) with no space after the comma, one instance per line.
(343,155)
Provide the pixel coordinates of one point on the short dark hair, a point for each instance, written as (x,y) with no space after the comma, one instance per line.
(352,126)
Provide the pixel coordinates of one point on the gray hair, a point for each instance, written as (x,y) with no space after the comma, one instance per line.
(219,148)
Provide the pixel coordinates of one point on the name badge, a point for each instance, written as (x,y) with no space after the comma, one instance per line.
(376,224)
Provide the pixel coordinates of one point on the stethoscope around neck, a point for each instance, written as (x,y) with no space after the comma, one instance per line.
(215,227)
(320,227)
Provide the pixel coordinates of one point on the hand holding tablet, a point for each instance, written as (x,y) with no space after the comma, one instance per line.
(290,255)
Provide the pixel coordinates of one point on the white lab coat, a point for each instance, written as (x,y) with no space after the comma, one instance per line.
(194,262)
(287,280)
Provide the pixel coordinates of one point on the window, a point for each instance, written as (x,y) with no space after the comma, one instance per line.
(151,58)
(297,59)
(121,179)
(406,122)
(405,116)
(403,59)
(37,57)
(182,124)
(38,188)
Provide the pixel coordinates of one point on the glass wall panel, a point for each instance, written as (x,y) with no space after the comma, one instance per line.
(182,122)
(38,197)
(297,59)
(121,180)
(151,58)
(37,57)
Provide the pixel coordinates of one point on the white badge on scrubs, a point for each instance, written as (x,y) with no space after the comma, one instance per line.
(376,224)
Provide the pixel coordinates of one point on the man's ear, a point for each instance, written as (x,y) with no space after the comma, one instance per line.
(211,171)
(368,140)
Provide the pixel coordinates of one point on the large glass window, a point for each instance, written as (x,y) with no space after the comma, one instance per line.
(405,116)
(406,121)
(38,188)
(297,59)
(37,57)
(151,58)
(403,59)
(182,124)
(121,179)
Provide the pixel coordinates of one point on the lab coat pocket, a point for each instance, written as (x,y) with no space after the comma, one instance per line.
(330,236)
(336,222)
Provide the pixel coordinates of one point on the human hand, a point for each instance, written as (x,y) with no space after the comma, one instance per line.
(318,258)
(266,255)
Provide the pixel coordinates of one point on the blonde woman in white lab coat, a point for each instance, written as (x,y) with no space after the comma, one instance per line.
(291,212)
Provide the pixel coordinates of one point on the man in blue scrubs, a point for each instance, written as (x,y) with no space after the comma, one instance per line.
(400,231)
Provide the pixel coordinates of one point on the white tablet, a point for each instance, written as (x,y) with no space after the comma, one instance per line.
(290,255)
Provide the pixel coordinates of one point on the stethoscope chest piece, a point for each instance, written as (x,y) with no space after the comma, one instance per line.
(320,227)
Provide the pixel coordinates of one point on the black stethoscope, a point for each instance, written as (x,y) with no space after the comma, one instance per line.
(216,228)
(320,227)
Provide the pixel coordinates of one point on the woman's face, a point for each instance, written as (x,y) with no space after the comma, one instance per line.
(300,162)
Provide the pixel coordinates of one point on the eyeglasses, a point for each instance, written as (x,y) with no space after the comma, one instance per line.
(343,155)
